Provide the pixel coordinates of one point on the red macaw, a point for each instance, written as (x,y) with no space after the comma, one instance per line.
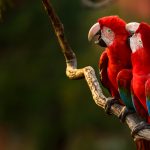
(124,77)
(140,47)
(111,32)
(140,84)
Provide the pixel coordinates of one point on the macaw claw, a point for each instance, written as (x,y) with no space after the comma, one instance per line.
(124,112)
(140,126)
(109,102)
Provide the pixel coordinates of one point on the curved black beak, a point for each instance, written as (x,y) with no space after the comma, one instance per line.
(100,41)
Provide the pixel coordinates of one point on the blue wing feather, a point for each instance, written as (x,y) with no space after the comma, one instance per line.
(148,104)
(125,95)
(147,93)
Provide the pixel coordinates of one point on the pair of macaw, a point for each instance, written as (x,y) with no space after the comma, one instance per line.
(125,63)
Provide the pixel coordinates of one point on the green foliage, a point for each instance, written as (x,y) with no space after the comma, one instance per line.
(3,5)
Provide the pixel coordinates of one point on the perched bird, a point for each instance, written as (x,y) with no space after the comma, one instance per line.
(140,84)
(140,47)
(124,77)
(110,32)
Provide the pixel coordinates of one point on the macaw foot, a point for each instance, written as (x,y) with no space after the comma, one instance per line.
(140,126)
(109,102)
(124,112)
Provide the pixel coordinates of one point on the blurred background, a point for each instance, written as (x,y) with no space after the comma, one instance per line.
(40,108)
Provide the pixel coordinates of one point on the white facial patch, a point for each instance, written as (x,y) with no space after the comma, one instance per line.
(107,35)
(136,42)
(132,27)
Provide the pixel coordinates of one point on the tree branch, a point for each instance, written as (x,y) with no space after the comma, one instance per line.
(96,5)
(88,74)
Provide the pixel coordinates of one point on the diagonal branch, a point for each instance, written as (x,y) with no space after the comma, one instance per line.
(88,74)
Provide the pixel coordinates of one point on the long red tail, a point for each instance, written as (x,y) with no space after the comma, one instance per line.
(143,145)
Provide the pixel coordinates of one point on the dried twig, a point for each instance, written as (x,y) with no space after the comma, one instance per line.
(95,5)
(89,74)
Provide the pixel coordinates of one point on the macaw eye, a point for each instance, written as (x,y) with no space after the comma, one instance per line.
(140,41)
(108,30)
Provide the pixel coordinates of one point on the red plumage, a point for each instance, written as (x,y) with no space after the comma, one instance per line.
(144,30)
(141,71)
(141,79)
(117,55)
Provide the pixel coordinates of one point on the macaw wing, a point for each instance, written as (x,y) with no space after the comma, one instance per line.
(138,106)
(103,64)
(124,78)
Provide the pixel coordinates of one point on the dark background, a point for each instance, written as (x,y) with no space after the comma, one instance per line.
(40,108)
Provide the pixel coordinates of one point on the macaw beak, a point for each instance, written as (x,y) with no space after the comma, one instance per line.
(128,40)
(94,32)
(132,27)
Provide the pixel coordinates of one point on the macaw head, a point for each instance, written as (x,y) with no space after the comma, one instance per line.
(132,27)
(141,38)
(107,30)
